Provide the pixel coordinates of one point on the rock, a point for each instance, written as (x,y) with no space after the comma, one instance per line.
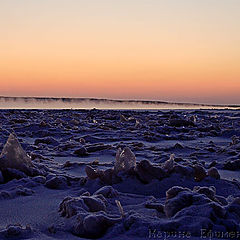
(152,205)
(107,191)
(94,226)
(74,122)
(232,165)
(39,179)
(71,206)
(81,152)
(173,192)
(1,177)
(173,205)
(13,156)
(185,171)
(46,140)
(107,176)
(11,173)
(91,172)
(199,173)
(146,172)
(178,146)
(94,204)
(213,172)
(58,182)
(180,123)
(97,147)
(125,159)
(207,191)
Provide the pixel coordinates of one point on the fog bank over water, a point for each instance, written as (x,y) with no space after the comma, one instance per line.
(89,103)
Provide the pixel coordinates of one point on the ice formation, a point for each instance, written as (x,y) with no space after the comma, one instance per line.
(168,166)
(13,155)
(125,159)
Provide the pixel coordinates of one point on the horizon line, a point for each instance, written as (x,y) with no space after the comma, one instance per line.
(143,101)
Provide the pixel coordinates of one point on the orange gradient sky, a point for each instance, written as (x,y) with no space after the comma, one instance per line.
(173,50)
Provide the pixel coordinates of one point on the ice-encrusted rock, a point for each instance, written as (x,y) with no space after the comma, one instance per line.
(107,191)
(39,179)
(91,172)
(146,172)
(11,173)
(81,152)
(125,159)
(182,202)
(13,155)
(213,172)
(181,123)
(210,192)
(94,226)
(199,173)
(185,171)
(182,199)
(173,192)
(71,206)
(97,147)
(108,176)
(57,182)
(46,140)
(233,165)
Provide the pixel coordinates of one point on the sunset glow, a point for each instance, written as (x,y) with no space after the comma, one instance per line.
(174,50)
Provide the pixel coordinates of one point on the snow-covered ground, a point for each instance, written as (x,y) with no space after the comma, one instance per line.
(119,174)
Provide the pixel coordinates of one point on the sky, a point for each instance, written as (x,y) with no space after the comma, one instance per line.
(171,50)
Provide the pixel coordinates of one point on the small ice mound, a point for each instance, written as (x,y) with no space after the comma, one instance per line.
(198,209)
(125,160)
(169,164)
(213,172)
(94,226)
(13,155)
(16,231)
(87,214)
(56,182)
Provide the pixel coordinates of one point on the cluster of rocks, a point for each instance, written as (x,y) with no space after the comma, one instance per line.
(182,210)
(88,213)
(145,171)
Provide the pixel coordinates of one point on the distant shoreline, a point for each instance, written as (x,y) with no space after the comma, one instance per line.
(113,101)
